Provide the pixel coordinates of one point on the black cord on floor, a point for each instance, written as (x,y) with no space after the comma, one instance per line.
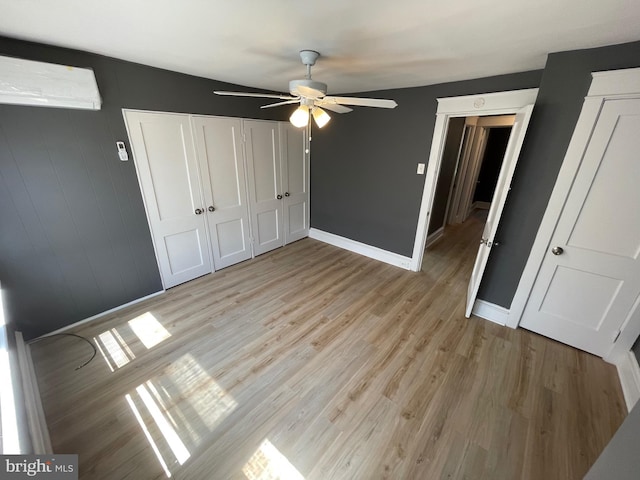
(95,351)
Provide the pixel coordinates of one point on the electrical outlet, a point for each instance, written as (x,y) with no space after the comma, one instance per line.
(421,169)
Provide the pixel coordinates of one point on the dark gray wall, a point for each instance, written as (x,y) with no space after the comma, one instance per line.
(491,163)
(364,185)
(363,175)
(455,131)
(564,85)
(74,239)
(620,459)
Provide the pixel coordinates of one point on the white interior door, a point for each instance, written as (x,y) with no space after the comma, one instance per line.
(588,285)
(167,169)
(512,152)
(219,146)
(262,147)
(295,182)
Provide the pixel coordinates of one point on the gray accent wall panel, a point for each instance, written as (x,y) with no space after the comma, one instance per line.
(74,238)
(364,184)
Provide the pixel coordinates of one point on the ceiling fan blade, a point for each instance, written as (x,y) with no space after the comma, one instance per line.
(361,102)
(286,102)
(259,95)
(334,107)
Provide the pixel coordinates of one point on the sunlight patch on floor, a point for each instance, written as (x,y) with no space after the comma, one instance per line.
(168,432)
(147,434)
(209,401)
(114,349)
(267,463)
(149,330)
(182,406)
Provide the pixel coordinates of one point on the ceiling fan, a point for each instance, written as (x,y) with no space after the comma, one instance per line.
(312,97)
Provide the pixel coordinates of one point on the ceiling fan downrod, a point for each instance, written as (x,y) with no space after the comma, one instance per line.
(309,58)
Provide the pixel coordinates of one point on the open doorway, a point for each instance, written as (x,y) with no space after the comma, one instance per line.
(472,158)
(518,102)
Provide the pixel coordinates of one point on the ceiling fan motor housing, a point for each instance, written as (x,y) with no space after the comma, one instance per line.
(307,88)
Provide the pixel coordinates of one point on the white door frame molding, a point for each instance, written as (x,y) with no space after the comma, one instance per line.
(499,103)
(605,85)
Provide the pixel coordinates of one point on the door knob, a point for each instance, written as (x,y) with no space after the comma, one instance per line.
(199,211)
(211,209)
(279,197)
(483,241)
(557,250)
(286,194)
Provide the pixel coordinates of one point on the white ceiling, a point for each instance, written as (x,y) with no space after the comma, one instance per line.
(366,44)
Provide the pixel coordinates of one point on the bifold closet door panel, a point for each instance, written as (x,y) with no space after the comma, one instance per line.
(295,182)
(219,147)
(262,147)
(168,173)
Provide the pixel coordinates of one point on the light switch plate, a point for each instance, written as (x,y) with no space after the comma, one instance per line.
(122,151)
(421,169)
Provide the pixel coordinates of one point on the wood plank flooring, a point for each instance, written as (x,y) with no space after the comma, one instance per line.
(311,362)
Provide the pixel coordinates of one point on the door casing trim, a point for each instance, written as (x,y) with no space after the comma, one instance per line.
(498,103)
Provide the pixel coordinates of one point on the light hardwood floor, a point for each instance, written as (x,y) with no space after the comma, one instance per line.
(312,362)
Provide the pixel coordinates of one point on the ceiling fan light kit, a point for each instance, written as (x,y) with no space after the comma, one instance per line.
(312,95)
(320,116)
(300,117)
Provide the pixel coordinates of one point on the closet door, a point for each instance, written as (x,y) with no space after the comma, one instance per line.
(295,182)
(219,147)
(168,172)
(265,191)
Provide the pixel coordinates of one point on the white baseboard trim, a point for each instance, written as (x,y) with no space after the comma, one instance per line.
(489,311)
(481,205)
(434,237)
(361,248)
(102,314)
(629,373)
(40,441)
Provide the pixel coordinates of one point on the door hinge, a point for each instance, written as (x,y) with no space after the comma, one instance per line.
(615,337)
